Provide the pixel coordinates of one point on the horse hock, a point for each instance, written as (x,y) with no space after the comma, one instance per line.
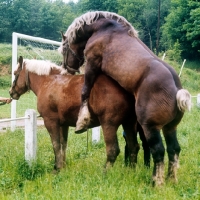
(83,118)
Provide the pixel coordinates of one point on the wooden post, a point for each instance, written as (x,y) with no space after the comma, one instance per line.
(198,100)
(30,135)
(182,67)
(163,56)
(96,134)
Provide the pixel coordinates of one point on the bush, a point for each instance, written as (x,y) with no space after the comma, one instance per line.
(174,53)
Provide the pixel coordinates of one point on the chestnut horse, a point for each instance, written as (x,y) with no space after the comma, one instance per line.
(59,100)
(110,44)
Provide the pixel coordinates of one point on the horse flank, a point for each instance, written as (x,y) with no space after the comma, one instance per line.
(91,17)
(41,67)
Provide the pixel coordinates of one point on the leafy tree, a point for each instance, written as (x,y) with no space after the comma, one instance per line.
(4,19)
(143,14)
(101,5)
(183,24)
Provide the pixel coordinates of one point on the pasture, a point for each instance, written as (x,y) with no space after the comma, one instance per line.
(83,178)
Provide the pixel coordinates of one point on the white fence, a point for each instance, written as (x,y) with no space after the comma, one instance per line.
(31,134)
(31,47)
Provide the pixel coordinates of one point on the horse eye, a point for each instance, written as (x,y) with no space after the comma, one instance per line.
(15,72)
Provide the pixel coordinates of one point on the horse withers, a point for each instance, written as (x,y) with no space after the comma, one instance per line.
(110,44)
(59,100)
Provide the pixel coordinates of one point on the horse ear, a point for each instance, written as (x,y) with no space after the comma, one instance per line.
(20,61)
(63,36)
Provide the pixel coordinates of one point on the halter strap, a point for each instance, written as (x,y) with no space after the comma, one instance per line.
(80,59)
(27,80)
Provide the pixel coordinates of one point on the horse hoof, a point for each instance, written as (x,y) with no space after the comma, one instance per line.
(55,172)
(79,130)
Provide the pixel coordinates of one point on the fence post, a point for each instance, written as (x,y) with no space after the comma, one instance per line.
(198,100)
(30,135)
(182,67)
(14,64)
(96,134)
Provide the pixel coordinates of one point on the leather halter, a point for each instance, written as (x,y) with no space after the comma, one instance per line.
(26,79)
(80,59)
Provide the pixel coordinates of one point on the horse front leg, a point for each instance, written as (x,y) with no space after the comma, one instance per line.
(84,114)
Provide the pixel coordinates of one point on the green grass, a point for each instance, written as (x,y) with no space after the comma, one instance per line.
(83,177)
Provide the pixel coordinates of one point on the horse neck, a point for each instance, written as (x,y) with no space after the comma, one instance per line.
(35,82)
(55,71)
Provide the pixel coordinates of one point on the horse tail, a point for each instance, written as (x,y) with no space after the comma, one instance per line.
(183,98)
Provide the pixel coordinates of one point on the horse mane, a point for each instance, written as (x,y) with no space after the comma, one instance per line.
(91,17)
(42,67)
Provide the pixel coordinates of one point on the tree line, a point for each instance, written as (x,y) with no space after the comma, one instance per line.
(163,25)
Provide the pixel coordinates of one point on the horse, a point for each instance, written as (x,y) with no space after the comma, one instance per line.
(58,104)
(109,44)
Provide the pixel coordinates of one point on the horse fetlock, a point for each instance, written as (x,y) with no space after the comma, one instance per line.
(108,165)
(172,171)
(158,175)
(133,160)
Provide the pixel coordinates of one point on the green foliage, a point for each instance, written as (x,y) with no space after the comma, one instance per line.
(104,5)
(174,53)
(6,54)
(182,23)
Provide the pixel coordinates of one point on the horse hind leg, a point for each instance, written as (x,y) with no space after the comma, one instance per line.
(132,146)
(173,150)
(112,145)
(58,142)
(154,140)
(146,149)
(63,142)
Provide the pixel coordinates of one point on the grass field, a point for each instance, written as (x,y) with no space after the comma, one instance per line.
(83,178)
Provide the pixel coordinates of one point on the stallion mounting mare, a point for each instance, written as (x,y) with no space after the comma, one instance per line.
(58,104)
(110,44)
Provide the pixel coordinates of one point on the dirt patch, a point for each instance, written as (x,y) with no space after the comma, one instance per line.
(5,70)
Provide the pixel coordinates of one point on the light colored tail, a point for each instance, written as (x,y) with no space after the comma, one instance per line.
(183,98)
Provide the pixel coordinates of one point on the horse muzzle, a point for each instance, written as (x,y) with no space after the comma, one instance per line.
(14,95)
(71,70)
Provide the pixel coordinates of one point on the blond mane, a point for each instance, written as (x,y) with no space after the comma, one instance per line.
(41,67)
(91,17)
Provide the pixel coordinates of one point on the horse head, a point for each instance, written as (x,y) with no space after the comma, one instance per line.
(73,56)
(20,84)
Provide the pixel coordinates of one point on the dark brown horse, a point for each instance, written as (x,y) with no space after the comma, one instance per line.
(58,104)
(110,44)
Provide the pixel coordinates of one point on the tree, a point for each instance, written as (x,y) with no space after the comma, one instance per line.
(182,24)
(101,5)
(147,16)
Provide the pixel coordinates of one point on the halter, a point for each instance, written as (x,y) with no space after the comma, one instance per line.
(26,79)
(80,59)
